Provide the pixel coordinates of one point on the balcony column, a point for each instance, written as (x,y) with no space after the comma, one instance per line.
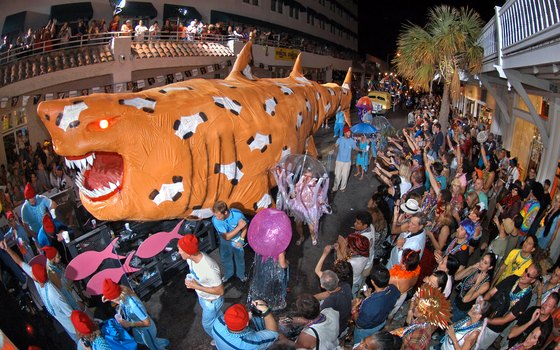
(328,74)
(551,152)
(121,51)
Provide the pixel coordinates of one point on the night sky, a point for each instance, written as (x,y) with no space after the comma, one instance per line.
(382,20)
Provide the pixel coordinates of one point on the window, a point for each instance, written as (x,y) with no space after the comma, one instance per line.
(291,11)
(280,6)
(246,1)
(273,5)
(310,19)
(256,2)
(297,13)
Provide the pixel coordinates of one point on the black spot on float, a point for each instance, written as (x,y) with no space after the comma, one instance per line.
(203,116)
(176,179)
(275,100)
(234,182)
(239,164)
(250,140)
(77,101)
(232,87)
(74,124)
(148,109)
(264,149)
(176,196)
(234,112)
(255,206)
(150,99)
(153,195)
(162,91)
(176,124)
(284,148)
(196,207)
(219,104)
(58,119)
(270,138)
(47,117)
(121,102)
(272,113)
(237,103)
(217,168)
(187,135)
(264,106)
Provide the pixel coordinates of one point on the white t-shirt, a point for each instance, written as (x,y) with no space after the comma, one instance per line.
(405,186)
(369,233)
(207,273)
(417,242)
(326,330)
(358,263)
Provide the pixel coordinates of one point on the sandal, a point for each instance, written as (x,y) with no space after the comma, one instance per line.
(299,241)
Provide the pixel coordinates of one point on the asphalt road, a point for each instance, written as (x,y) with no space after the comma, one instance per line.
(175,309)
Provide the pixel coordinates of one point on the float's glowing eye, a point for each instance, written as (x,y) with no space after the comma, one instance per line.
(103,123)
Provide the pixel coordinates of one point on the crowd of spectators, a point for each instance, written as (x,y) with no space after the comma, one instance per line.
(57,35)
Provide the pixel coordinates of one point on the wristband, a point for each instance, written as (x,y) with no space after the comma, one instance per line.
(266,313)
(242,238)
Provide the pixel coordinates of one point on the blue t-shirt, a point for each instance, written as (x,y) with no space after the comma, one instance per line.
(43,239)
(32,215)
(247,339)
(345,147)
(339,117)
(375,309)
(229,223)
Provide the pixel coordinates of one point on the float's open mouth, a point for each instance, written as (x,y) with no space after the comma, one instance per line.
(100,174)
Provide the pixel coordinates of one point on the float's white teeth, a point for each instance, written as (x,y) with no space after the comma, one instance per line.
(112,186)
(67,163)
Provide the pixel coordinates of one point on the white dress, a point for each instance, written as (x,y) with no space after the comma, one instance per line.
(461,336)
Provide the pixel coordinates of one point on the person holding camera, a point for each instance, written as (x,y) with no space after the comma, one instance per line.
(413,235)
(236,329)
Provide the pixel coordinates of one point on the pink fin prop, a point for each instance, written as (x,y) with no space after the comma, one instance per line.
(86,263)
(157,242)
(95,284)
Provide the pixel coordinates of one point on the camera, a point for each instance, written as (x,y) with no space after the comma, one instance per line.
(256,312)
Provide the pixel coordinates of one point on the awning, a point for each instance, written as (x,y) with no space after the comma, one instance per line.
(14,23)
(179,11)
(137,9)
(72,11)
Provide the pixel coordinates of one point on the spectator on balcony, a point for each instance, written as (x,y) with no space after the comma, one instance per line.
(81,30)
(140,31)
(65,34)
(127,28)
(102,26)
(154,31)
(114,25)
(28,39)
(93,30)
(166,29)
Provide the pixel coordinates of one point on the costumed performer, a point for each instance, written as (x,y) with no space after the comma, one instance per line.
(131,314)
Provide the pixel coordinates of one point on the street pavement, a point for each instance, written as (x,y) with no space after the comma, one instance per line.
(175,309)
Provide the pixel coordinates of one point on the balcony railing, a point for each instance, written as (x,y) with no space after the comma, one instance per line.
(524,23)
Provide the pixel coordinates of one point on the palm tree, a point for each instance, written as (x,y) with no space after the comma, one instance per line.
(443,48)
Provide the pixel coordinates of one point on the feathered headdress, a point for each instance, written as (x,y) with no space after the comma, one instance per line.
(433,306)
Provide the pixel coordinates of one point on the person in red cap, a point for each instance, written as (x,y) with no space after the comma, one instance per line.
(50,234)
(57,275)
(234,331)
(88,332)
(34,207)
(20,235)
(204,278)
(53,301)
(345,145)
(132,314)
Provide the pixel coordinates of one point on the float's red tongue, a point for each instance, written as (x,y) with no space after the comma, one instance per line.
(107,167)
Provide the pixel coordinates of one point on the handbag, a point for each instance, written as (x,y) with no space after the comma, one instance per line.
(117,337)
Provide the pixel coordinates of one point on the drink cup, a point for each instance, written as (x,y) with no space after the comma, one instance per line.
(189,277)
(66,236)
